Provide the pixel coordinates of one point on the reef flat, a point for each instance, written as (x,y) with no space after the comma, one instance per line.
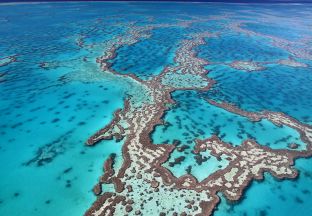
(182,110)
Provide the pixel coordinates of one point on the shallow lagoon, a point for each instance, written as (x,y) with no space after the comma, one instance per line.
(194,118)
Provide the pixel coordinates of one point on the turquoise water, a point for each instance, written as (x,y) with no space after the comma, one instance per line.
(273,197)
(43,152)
(47,113)
(194,118)
(43,130)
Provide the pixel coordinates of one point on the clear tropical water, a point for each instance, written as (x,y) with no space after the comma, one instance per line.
(48,111)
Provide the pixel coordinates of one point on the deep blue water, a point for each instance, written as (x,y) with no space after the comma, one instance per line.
(278,88)
(236,46)
(158,49)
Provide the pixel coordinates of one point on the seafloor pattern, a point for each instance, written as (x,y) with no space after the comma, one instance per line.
(186,109)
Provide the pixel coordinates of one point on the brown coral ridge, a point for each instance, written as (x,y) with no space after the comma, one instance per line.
(113,129)
(108,176)
(247,162)
(248,66)
(185,61)
(277,118)
(143,159)
(109,209)
(108,169)
(189,66)
(133,35)
(8,60)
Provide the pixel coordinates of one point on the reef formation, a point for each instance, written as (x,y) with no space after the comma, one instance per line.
(186,109)
(142,181)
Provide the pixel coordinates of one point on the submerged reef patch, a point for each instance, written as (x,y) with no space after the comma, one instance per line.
(142,179)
